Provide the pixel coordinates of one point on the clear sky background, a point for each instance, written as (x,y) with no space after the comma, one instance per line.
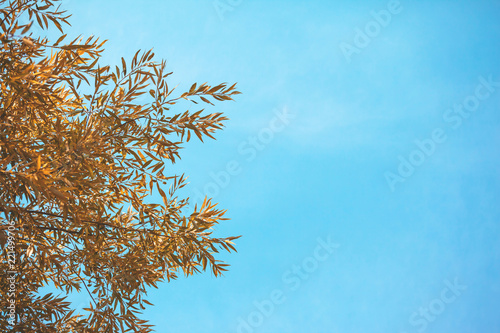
(418,253)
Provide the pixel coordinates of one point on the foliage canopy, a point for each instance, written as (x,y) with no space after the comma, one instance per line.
(83,147)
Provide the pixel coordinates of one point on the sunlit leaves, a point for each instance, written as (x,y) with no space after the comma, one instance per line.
(81,160)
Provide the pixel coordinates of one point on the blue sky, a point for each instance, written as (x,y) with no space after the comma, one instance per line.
(420,255)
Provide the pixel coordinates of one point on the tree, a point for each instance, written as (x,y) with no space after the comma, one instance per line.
(81,159)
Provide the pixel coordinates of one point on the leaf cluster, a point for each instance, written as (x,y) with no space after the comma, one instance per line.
(83,150)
